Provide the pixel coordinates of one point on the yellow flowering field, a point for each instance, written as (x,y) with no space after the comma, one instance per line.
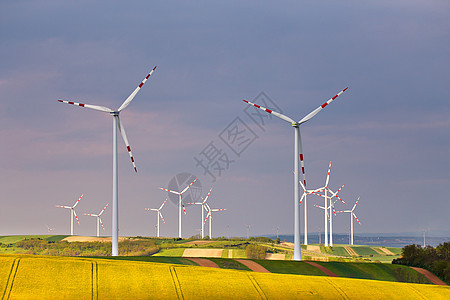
(317,287)
(137,280)
(37,277)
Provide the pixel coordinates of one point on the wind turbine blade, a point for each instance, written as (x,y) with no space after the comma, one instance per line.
(91,215)
(170,191)
(339,198)
(207,216)
(124,136)
(219,209)
(184,209)
(128,100)
(61,206)
(101,223)
(328,176)
(160,214)
(355,204)
(162,204)
(281,116)
(76,203)
(103,209)
(301,198)
(319,206)
(76,217)
(100,108)
(206,198)
(189,186)
(334,210)
(356,218)
(316,111)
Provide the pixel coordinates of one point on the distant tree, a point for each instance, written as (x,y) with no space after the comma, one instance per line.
(255,251)
(278,240)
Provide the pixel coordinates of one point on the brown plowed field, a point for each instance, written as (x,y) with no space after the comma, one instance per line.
(351,251)
(203,262)
(386,251)
(253,265)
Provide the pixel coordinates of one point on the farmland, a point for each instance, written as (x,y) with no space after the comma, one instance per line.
(38,277)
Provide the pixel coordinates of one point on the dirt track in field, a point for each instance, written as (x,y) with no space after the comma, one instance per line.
(430,276)
(255,267)
(203,262)
(322,268)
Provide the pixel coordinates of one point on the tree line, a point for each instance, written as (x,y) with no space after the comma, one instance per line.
(436,260)
(64,248)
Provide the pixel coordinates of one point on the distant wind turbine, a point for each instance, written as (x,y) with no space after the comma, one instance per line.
(180,203)
(352,214)
(209,215)
(72,213)
(203,211)
(99,220)
(298,153)
(158,215)
(117,124)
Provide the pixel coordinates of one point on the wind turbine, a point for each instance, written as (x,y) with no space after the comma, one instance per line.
(328,216)
(99,220)
(49,229)
(72,213)
(203,211)
(298,152)
(116,124)
(158,215)
(352,214)
(209,215)
(180,203)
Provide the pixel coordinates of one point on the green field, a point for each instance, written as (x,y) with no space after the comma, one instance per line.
(385,272)
(364,250)
(37,277)
(10,239)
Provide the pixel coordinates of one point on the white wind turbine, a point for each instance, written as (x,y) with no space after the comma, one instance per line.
(158,215)
(203,211)
(72,213)
(209,210)
(49,229)
(352,214)
(116,124)
(180,203)
(99,220)
(298,152)
(328,216)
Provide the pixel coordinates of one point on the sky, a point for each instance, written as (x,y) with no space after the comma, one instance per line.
(387,136)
